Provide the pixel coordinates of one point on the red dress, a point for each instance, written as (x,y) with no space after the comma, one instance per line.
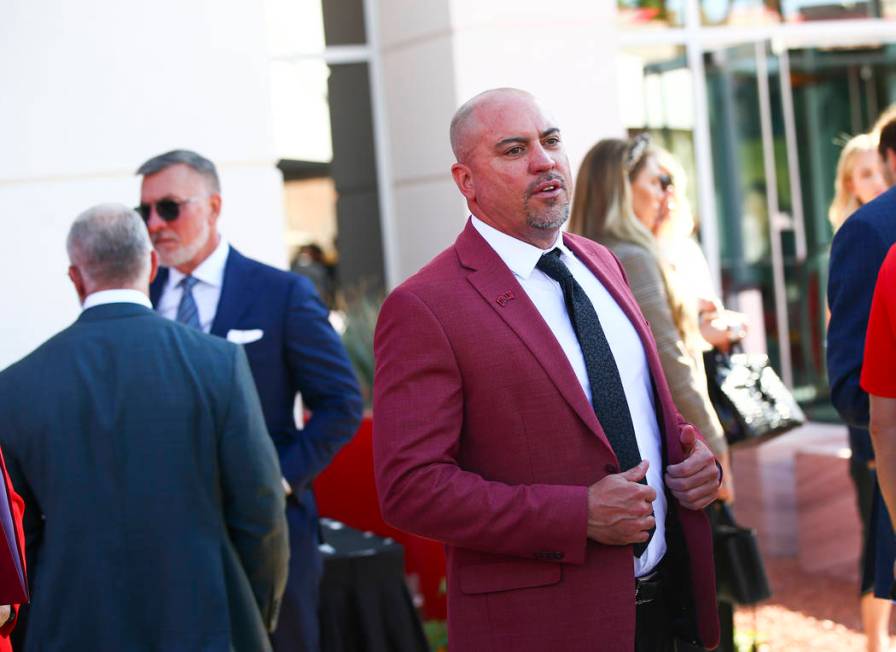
(879,364)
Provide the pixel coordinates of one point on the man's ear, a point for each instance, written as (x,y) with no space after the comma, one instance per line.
(215,203)
(153,265)
(463,177)
(78,281)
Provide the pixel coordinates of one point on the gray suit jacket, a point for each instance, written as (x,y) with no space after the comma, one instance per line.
(682,361)
(154,506)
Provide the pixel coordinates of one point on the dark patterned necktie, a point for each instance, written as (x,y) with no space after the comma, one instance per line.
(607,392)
(187,312)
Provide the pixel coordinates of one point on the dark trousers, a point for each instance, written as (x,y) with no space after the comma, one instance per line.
(653,627)
(298,628)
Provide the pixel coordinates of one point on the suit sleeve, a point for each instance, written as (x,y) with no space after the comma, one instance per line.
(418,420)
(857,254)
(253,495)
(880,344)
(684,372)
(320,370)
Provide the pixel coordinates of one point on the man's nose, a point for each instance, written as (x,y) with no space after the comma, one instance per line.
(541,159)
(154,222)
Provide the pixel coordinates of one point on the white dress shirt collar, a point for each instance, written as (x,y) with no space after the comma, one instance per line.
(521,257)
(209,271)
(116,296)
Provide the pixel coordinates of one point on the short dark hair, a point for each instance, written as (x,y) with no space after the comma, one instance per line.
(887,139)
(183,157)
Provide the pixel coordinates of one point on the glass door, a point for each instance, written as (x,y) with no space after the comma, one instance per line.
(778,119)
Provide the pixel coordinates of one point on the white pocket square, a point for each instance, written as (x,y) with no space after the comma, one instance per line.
(244,337)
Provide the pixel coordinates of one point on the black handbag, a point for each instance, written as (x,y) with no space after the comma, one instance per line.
(752,403)
(740,571)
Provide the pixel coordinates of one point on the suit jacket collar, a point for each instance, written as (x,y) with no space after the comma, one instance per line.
(500,289)
(234,300)
(106,311)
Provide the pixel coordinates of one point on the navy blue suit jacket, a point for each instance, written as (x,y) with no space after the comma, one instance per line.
(857,252)
(154,509)
(298,352)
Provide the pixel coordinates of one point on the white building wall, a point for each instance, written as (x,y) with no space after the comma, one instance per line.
(93,88)
(439,54)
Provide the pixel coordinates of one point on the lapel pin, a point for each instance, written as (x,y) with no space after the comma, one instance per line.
(504,298)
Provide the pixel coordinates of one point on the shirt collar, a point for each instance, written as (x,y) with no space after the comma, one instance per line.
(209,271)
(116,296)
(521,257)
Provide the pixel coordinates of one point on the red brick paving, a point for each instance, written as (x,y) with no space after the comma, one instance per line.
(807,612)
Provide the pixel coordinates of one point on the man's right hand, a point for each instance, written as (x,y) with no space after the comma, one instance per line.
(620,508)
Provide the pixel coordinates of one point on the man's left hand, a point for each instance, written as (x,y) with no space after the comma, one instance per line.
(695,481)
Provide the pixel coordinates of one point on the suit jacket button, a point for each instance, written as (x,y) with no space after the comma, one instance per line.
(611,468)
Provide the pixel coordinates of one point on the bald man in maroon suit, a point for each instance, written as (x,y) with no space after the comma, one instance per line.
(521,417)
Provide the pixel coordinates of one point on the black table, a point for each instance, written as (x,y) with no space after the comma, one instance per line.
(365,605)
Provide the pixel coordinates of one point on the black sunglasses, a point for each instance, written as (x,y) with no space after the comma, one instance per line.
(665,181)
(166,209)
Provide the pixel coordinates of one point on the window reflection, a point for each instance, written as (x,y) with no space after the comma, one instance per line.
(650,13)
(753,13)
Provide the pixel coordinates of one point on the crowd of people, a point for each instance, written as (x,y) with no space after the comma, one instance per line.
(540,407)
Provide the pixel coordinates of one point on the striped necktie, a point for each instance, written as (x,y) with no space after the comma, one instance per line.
(187,312)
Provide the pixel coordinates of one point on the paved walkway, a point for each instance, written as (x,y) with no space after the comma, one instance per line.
(807,612)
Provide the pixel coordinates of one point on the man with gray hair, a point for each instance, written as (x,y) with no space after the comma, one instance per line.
(292,348)
(154,504)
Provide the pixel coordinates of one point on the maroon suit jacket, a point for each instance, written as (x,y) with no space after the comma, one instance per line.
(484,440)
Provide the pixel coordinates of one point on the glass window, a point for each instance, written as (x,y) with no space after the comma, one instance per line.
(650,13)
(740,12)
(769,12)
(344,22)
(656,95)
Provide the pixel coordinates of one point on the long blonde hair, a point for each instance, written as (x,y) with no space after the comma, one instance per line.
(845,201)
(602,210)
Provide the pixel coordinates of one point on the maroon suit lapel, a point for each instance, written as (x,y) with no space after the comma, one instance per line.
(499,288)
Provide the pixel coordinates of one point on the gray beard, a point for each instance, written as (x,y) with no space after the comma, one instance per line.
(184,253)
(553,218)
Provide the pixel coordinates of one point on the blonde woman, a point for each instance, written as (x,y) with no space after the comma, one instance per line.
(675,234)
(619,201)
(860,178)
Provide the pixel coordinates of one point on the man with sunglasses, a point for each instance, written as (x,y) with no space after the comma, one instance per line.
(284,327)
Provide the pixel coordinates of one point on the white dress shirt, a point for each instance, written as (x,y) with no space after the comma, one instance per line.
(115,296)
(547,295)
(206,292)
